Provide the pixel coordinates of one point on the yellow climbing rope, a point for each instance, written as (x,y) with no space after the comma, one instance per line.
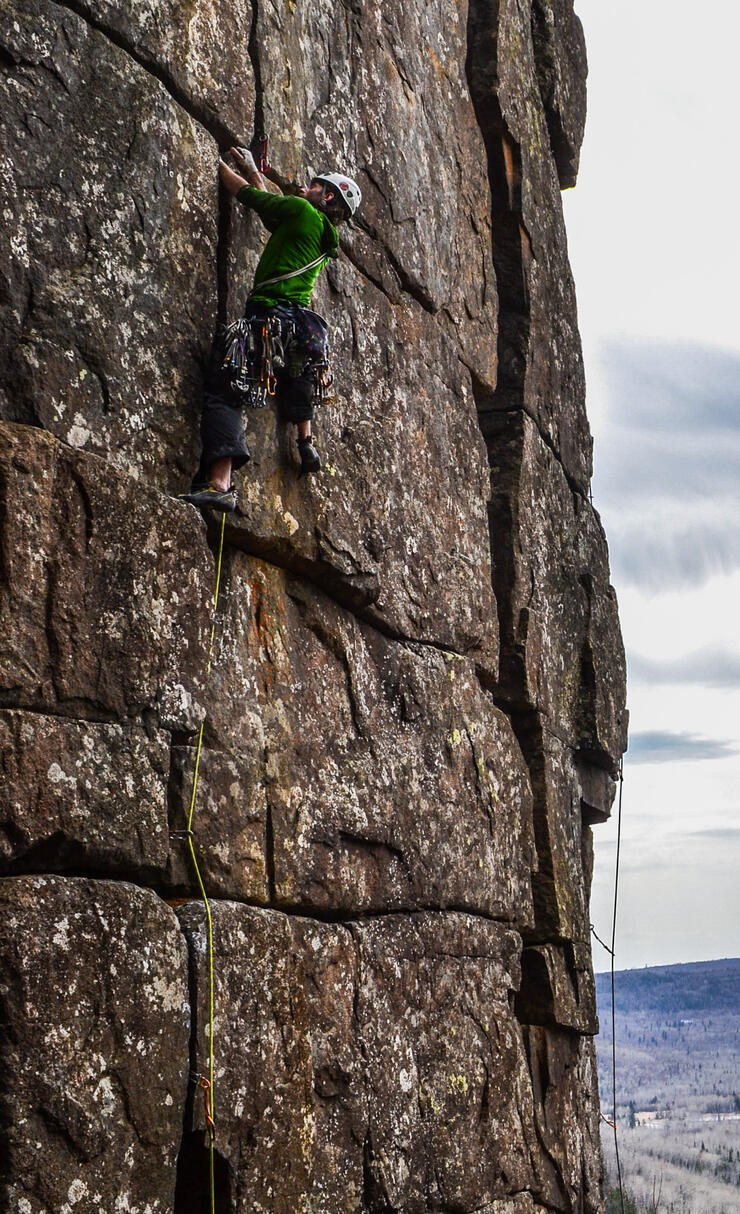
(207,1084)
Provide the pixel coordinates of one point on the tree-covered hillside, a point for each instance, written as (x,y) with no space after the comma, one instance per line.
(678,1084)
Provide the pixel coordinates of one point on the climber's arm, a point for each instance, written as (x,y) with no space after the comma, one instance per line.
(234,182)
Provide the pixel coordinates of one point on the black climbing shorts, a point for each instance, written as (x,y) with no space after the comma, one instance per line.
(221,421)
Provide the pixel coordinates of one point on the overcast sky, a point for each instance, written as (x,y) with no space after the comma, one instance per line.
(652,231)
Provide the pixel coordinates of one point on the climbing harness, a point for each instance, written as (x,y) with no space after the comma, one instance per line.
(258,346)
(206,1083)
(253,349)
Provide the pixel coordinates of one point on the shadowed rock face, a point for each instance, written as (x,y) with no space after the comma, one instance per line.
(96,1016)
(414,710)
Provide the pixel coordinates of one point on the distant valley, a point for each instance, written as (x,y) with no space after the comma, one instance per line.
(678,1086)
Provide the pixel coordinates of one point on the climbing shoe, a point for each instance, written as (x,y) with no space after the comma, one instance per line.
(223,500)
(310,458)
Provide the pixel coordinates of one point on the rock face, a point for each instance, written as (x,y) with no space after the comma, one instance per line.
(93,981)
(413,711)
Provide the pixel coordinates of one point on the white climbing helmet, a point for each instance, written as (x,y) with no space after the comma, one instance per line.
(348,189)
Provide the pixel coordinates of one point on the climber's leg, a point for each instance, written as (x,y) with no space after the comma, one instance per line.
(296,397)
(224,445)
(220,473)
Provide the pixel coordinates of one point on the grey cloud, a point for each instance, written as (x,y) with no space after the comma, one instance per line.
(708,667)
(671,556)
(673,387)
(658,746)
(728,834)
(667,471)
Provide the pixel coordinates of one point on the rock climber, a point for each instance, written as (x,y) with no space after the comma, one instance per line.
(303,238)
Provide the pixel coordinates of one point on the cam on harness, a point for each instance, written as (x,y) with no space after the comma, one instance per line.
(258,346)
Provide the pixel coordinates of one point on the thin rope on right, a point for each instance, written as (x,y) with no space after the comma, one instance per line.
(613,1122)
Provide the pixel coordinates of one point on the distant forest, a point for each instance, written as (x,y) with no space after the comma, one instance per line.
(678,1086)
(694,989)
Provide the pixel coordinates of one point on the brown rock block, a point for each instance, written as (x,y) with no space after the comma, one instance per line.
(199,50)
(93,977)
(395,524)
(108,249)
(385,97)
(560,59)
(561,882)
(391,779)
(448,1099)
(566,1103)
(561,644)
(364,1067)
(229,823)
(540,360)
(104,591)
(558,987)
(272,1123)
(79,795)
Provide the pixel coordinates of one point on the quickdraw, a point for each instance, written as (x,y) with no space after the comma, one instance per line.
(256,348)
(262,158)
(205,1087)
(253,351)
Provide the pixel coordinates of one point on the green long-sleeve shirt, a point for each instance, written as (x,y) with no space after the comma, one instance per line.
(300,234)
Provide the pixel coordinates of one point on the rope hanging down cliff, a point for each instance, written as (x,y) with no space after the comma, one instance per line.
(206,1083)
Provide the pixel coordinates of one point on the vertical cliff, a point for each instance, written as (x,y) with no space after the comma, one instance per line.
(416,707)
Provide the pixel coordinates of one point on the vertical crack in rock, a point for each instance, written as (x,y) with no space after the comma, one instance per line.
(223,242)
(510,240)
(192,1191)
(270,856)
(259,92)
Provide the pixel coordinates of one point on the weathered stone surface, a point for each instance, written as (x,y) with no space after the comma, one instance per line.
(382,91)
(598,790)
(558,987)
(560,60)
(81,796)
(561,647)
(566,1101)
(94,1046)
(395,527)
(391,779)
(108,252)
(449,1101)
(200,51)
(105,588)
(229,822)
(365,1067)
(561,882)
(540,364)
